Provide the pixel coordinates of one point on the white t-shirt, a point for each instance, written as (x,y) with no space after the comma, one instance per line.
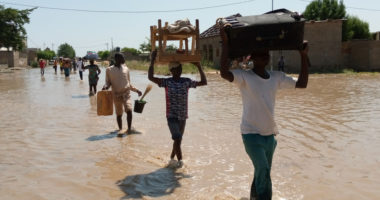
(79,65)
(259,97)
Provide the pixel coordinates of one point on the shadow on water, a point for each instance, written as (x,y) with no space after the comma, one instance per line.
(80,96)
(159,183)
(111,135)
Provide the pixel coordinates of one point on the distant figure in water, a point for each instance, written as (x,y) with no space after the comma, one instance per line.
(61,65)
(42,66)
(281,64)
(176,89)
(66,67)
(80,66)
(55,66)
(118,77)
(93,76)
(74,65)
(258,89)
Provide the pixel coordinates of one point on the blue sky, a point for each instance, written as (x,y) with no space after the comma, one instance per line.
(91,31)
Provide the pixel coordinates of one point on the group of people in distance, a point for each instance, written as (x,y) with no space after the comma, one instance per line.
(258,89)
(67,66)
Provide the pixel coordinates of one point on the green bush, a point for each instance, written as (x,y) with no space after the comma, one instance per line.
(34,64)
(45,54)
(133,51)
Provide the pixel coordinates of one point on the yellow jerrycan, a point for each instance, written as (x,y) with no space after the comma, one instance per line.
(105,103)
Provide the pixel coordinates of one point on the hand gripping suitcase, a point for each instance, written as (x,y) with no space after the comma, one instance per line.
(276,30)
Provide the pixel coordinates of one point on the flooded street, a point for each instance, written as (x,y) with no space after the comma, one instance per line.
(54,146)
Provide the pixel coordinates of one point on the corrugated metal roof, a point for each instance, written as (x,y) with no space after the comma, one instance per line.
(214,30)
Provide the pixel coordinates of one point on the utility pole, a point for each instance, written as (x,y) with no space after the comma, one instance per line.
(52,46)
(111,44)
(107,46)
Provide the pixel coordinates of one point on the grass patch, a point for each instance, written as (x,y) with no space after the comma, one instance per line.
(187,68)
(348,71)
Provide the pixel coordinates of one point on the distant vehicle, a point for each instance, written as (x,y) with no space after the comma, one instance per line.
(51,62)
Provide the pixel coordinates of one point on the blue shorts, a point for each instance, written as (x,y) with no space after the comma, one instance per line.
(176,127)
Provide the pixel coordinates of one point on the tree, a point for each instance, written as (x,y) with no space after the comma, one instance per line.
(65,50)
(146,46)
(46,54)
(326,9)
(353,27)
(133,51)
(13,34)
(104,54)
(171,48)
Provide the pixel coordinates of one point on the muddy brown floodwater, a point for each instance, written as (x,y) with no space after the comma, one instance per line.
(54,146)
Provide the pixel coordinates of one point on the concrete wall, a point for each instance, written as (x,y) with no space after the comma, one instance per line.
(324,48)
(4,57)
(14,58)
(324,42)
(32,55)
(362,55)
(327,53)
(22,60)
(9,58)
(211,50)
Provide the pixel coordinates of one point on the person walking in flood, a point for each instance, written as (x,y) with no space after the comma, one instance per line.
(176,88)
(55,66)
(93,76)
(61,65)
(42,66)
(281,64)
(80,66)
(66,66)
(258,89)
(74,65)
(118,77)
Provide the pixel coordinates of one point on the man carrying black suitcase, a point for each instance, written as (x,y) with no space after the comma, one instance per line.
(258,89)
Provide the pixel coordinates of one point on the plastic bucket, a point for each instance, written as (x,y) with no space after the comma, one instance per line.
(139,106)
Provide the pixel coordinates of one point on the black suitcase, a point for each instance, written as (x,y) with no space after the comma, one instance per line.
(276,30)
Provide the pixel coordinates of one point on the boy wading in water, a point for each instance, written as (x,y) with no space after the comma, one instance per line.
(258,89)
(93,76)
(118,77)
(176,89)
(42,66)
(80,68)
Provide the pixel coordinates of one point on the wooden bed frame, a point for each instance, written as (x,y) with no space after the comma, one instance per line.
(183,54)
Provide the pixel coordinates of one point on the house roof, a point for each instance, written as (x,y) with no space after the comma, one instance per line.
(214,30)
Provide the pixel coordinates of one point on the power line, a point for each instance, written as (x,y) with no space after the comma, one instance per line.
(128,11)
(356,8)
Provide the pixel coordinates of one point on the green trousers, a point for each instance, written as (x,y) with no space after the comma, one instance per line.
(260,149)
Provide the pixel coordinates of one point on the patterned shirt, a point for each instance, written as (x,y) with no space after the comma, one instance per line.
(92,74)
(176,93)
